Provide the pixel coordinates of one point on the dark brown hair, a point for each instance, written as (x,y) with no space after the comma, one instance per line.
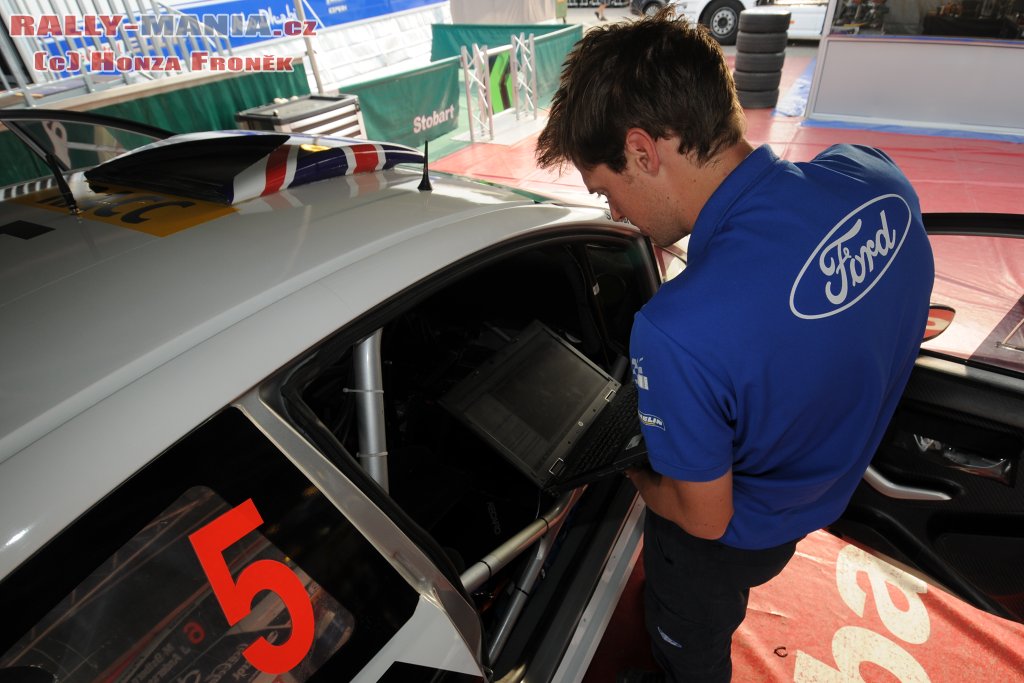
(658,73)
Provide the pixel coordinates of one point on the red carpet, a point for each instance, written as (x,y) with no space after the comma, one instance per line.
(838,615)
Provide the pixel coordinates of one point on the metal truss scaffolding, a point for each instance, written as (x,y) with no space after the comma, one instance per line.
(476,73)
(524,73)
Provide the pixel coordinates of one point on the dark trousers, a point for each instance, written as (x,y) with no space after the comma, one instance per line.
(696,597)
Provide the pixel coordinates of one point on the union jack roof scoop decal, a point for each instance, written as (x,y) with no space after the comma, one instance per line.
(306,159)
(230,167)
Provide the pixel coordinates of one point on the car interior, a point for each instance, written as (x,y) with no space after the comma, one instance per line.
(465,496)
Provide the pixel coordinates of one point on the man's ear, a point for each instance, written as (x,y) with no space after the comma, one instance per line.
(641,148)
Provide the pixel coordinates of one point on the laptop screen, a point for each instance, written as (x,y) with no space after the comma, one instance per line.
(532,399)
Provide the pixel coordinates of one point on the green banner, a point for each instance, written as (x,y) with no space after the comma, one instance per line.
(447,40)
(551,51)
(552,42)
(211,106)
(410,107)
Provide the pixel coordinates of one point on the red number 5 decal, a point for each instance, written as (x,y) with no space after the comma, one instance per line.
(235,597)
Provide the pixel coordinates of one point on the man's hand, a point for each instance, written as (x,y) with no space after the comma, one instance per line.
(702,509)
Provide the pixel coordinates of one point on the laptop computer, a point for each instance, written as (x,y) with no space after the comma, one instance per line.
(554,414)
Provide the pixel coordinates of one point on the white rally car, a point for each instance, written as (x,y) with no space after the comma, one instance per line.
(259,419)
(722,17)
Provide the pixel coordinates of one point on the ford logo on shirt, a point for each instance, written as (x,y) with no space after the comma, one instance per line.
(852,258)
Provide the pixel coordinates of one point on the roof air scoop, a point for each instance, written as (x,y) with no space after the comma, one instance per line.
(232,167)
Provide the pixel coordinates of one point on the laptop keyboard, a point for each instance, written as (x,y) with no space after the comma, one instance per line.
(607,436)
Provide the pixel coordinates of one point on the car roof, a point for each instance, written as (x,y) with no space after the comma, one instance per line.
(124,336)
(89,306)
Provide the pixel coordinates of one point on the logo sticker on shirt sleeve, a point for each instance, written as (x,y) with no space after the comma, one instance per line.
(639,378)
(852,258)
(648,420)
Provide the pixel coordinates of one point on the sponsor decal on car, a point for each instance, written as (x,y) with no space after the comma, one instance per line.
(153,213)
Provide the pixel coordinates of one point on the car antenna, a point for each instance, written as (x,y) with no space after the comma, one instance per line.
(425,183)
(62,185)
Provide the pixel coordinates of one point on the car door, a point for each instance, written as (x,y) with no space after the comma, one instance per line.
(943,495)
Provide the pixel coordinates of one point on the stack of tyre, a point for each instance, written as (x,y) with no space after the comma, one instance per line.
(760,52)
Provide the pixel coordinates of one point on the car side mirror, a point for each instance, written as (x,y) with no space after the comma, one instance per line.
(939,318)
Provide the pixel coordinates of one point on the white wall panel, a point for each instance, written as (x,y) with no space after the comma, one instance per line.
(955,84)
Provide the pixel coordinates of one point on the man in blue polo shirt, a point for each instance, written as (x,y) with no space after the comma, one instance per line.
(768,370)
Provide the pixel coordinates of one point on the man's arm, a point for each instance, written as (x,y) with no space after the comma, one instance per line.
(702,509)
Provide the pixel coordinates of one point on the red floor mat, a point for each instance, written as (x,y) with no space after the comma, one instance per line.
(838,615)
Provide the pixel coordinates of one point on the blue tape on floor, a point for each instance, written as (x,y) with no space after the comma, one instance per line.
(795,100)
(911,130)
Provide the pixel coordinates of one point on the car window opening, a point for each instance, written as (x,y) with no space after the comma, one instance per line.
(482,511)
(99,618)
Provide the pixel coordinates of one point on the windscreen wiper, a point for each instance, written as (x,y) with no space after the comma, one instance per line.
(62,185)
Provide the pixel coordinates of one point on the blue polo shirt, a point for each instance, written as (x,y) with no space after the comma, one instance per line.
(781,350)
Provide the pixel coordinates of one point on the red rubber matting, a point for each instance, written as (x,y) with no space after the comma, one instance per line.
(838,615)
